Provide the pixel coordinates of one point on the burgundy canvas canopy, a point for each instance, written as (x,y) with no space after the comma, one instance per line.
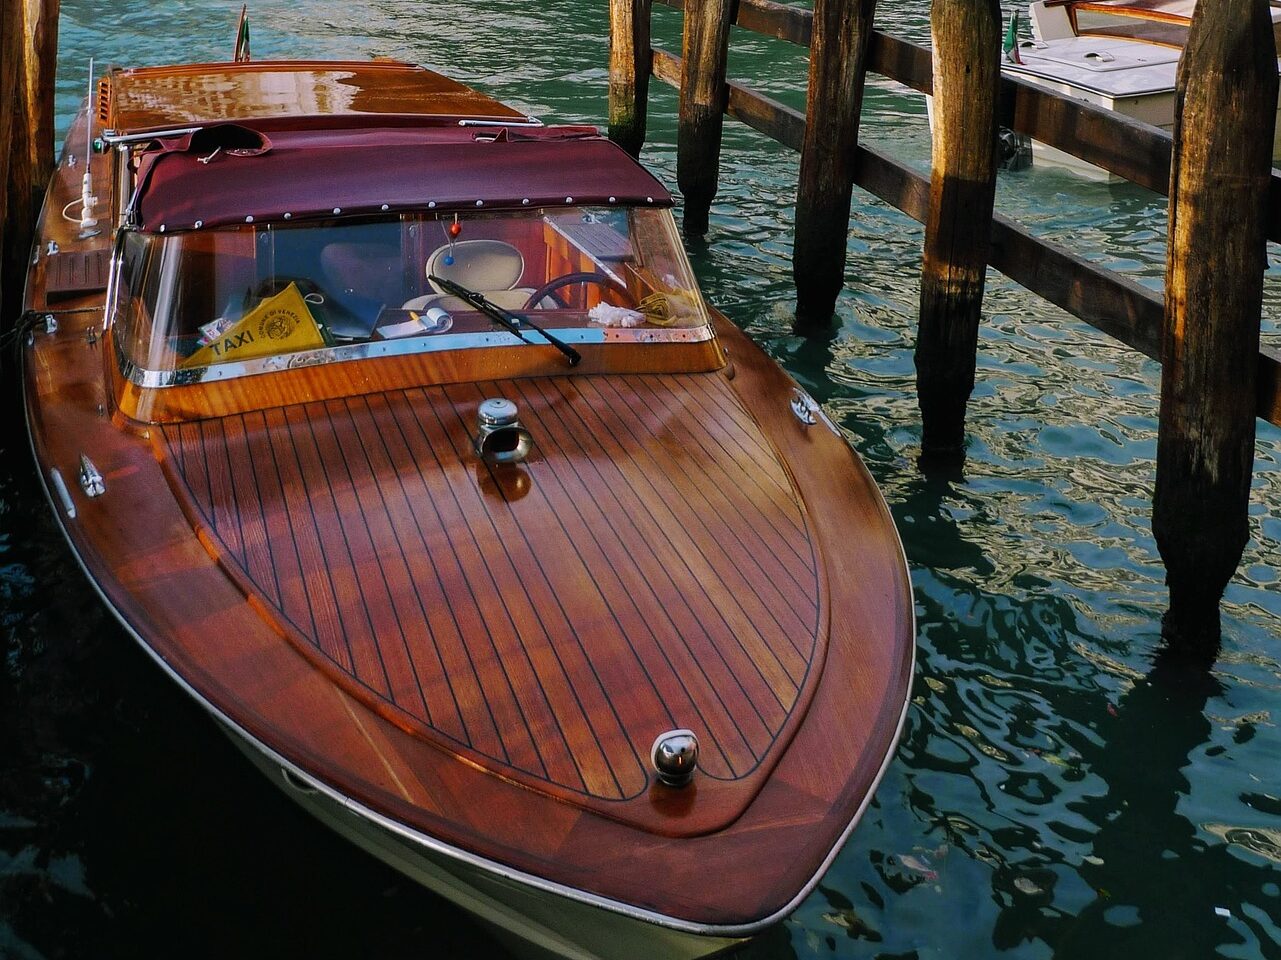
(314,174)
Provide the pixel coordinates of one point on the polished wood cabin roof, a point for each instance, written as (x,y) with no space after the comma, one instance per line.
(648,567)
(152,98)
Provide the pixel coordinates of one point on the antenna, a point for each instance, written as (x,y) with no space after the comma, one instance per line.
(88,223)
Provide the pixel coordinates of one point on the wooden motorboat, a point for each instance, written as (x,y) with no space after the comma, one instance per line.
(1122,55)
(564,601)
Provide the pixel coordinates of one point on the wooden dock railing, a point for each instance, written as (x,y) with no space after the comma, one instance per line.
(1205,329)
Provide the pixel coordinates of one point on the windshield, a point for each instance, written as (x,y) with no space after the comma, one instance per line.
(251,298)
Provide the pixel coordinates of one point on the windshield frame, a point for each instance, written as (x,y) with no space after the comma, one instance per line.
(142,376)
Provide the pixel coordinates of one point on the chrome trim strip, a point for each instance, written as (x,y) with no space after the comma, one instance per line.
(112,139)
(404,346)
(527,122)
(64,494)
(471,859)
(113,279)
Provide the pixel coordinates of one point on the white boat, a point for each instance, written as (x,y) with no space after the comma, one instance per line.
(1121,55)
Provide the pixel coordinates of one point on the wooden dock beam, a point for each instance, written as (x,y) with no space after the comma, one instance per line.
(967,67)
(28,59)
(1227,91)
(705,49)
(839,41)
(629,70)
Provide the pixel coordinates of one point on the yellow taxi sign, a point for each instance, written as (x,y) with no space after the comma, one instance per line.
(279,324)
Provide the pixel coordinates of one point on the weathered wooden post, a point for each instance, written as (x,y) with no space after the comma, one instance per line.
(629,70)
(1227,95)
(40,29)
(28,59)
(967,67)
(839,43)
(705,48)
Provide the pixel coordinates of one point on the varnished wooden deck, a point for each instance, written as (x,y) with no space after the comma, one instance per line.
(649,567)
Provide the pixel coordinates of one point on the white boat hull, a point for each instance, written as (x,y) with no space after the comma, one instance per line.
(1155,108)
(543,923)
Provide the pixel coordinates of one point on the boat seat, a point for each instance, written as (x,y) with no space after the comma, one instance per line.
(360,278)
(481,265)
(373,271)
(490,267)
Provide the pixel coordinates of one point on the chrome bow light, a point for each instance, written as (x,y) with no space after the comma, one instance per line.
(675,757)
(500,438)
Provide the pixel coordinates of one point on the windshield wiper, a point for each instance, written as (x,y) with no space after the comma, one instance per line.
(512,321)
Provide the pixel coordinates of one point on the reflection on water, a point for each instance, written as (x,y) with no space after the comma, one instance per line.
(1059,792)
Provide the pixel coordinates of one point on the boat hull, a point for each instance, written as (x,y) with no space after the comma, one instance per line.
(1156,108)
(1133,76)
(535,923)
(542,923)
(619,858)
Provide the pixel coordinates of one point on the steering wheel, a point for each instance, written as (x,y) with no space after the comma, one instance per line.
(549,288)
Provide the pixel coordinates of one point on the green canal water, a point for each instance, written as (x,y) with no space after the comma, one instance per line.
(1059,792)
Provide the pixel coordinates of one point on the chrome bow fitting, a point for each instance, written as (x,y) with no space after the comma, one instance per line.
(675,757)
(500,438)
(91,481)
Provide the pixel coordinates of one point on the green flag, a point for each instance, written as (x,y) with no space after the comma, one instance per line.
(1012,40)
(242,36)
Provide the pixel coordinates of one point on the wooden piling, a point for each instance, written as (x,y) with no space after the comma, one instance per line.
(967,66)
(13,153)
(629,70)
(28,59)
(1227,95)
(839,41)
(705,49)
